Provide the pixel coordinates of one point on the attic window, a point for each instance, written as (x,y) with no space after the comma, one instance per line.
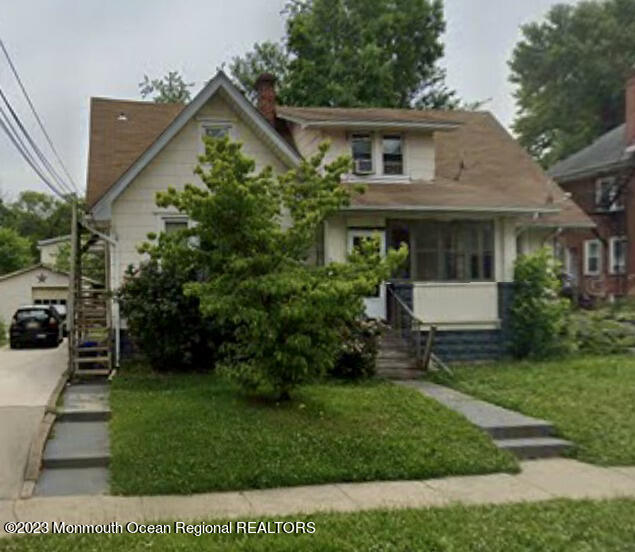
(216,131)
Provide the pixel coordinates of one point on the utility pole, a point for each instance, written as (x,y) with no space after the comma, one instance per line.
(72,292)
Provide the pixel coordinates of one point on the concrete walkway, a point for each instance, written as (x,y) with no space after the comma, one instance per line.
(539,480)
(28,377)
(522,435)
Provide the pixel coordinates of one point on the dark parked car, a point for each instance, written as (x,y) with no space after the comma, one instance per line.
(61,310)
(36,325)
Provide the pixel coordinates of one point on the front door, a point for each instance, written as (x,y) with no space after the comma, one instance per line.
(376,304)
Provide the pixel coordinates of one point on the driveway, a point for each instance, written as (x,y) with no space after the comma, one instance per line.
(27,379)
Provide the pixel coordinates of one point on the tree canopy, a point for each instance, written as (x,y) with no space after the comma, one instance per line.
(15,251)
(570,71)
(355,53)
(250,242)
(171,88)
(34,216)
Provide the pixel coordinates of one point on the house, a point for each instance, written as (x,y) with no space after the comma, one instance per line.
(600,180)
(50,248)
(454,185)
(36,285)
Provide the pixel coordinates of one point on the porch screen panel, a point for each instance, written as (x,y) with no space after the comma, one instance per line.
(454,251)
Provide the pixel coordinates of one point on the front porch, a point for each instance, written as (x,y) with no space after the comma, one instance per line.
(458,277)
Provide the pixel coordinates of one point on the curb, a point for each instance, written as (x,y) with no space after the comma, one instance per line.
(36,451)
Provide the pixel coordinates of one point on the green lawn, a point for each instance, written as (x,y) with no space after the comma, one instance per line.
(549,526)
(591,400)
(178,434)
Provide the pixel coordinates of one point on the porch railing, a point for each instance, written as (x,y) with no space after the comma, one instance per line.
(403,322)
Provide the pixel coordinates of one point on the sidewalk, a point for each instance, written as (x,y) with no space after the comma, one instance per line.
(539,480)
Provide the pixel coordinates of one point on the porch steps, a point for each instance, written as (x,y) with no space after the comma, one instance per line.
(77,454)
(521,435)
(394,360)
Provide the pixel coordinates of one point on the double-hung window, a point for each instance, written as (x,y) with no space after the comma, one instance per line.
(173,224)
(592,257)
(617,255)
(392,154)
(362,149)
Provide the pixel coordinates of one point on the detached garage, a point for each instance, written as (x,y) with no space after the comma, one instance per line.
(36,285)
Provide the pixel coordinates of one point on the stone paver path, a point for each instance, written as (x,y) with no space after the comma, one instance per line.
(538,480)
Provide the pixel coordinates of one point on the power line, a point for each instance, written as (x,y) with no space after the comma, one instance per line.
(19,145)
(37,117)
(45,162)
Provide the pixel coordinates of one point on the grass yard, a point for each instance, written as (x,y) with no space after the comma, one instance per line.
(590,400)
(547,526)
(179,434)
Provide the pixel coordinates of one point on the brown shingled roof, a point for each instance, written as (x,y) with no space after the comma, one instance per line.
(115,144)
(478,164)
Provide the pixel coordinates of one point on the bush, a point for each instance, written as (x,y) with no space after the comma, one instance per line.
(539,316)
(164,324)
(358,355)
(3,333)
(606,331)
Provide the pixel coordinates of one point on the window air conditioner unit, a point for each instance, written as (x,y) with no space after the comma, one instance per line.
(363,166)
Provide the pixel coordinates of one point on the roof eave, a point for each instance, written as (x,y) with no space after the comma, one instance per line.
(592,170)
(361,124)
(512,210)
(102,208)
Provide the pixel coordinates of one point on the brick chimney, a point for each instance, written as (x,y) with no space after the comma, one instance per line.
(266,92)
(630,110)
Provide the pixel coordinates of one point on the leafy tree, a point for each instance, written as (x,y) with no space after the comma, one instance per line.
(93,264)
(539,316)
(570,71)
(380,53)
(37,216)
(169,89)
(15,251)
(266,57)
(286,316)
(164,323)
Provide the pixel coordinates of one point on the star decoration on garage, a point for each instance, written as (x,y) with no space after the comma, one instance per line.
(41,277)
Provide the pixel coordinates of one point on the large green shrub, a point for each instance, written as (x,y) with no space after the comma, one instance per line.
(3,333)
(165,324)
(608,330)
(539,315)
(254,232)
(358,354)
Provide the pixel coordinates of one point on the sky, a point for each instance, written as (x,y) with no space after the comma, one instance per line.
(69,50)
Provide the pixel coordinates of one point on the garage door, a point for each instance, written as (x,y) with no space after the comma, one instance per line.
(50,295)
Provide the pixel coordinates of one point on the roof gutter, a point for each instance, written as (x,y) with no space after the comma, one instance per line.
(345,123)
(448,209)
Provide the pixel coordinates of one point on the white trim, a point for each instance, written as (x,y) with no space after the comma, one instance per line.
(612,241)
(587,245)
(102,209)
(449,209)
(356,124)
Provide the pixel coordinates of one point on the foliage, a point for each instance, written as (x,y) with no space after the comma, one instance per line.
(15,251)
(358,354)
(287,316)
(164,323)
(590,399)
(570,71)
(93,264)
(266,57)
(169,89)
(36,216)
(353,53)
(604,331)
(562,525)
(192,433)
(538,315)
(3,333)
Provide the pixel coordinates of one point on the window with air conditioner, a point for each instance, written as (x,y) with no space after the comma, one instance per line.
(362,149)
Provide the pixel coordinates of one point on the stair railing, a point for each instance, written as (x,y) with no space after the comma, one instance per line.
(409,327)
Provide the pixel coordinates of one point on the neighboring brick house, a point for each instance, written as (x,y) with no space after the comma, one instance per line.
(600,177)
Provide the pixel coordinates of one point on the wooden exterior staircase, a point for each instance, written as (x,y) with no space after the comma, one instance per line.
(90,326)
